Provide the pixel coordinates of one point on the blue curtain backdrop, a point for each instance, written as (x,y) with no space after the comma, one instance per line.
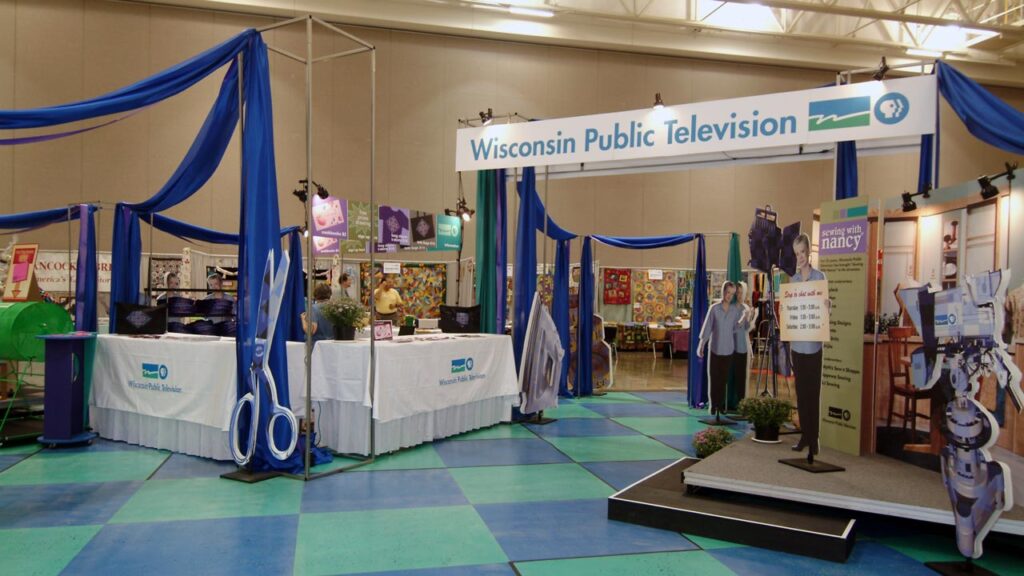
(501,249)
(846,170)
(294,304)
(260,224)
(532,219)
(697,390)
(585,325)
(560,309)
(85,281)
(86,272)
(987,117)
(584,334)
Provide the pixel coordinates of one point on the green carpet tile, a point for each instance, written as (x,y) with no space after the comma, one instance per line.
(112,508)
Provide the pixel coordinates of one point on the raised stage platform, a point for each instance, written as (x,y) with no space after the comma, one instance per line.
(870,484)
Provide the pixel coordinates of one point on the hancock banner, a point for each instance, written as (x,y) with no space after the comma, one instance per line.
(887,109)
(53,270)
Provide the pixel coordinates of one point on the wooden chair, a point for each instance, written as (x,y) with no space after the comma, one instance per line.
(659,336)
(899,381)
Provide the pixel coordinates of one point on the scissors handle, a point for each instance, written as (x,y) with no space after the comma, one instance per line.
(242,458)
(293,427)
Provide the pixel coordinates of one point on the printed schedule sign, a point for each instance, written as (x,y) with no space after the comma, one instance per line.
(804,313)
(842,256)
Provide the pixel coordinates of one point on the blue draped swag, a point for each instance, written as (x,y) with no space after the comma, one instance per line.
(259,215)
(696,388)
(86,271)
(987,117)
(846,170)
(532,219)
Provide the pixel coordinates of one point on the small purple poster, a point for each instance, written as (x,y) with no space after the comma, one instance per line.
(326,245)
(393,226)
(848,237)
(330,217)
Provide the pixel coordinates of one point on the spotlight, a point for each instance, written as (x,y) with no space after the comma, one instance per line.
(658,104)
(320,190)
(985,182)
(301,194)
(462,210)
(882,69)
(486,117)
(908,199)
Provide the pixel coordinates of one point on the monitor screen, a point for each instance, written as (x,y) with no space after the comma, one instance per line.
(135,319)
(460,319)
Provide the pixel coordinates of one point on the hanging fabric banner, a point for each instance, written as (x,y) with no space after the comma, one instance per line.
(616,285)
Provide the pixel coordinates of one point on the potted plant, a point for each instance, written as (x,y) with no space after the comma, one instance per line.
(766,414)
(346,315)
(711,440)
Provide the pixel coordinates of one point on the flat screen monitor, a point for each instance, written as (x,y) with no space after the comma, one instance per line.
(460,319)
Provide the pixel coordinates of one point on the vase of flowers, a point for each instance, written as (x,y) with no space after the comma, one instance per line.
(767,414)
(711,440)
(346,315)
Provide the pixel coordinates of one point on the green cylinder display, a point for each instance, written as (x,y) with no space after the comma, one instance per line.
(21,322)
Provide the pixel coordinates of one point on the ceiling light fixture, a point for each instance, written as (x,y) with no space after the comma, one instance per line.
(658,104)
(883,68)
(520,11)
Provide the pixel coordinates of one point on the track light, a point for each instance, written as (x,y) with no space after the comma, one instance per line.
(487,117)
(987,189)
(882,69)
(462,209)
(303,193)
(908,199)
(658,104)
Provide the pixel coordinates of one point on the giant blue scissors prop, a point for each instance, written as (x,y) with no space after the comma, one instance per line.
(271,295)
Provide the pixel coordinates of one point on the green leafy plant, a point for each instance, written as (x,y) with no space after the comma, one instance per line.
(766,411)
(707,442)
(345,312)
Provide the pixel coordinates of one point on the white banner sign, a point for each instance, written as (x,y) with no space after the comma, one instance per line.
(52,271)
(866,111)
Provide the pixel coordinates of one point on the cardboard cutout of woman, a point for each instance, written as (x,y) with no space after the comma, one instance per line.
(806,360)
(718,334)
(741,357)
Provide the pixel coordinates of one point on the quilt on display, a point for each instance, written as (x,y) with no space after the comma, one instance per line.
(617,285)
(423,287)
(654,300)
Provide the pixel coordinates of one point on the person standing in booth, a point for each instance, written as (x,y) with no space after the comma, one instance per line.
(387,300)
(806,358)
(719,334)
(321,327)
(345,283)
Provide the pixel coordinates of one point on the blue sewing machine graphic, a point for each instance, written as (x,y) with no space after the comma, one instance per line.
(271,294)
(961,328)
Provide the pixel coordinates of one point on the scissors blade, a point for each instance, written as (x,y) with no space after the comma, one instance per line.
(277,285)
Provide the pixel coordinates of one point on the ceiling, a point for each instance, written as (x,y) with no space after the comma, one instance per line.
(984,38)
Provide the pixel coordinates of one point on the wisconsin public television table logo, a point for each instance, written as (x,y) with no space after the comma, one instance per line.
(856,112)
(462,365)
(154,371)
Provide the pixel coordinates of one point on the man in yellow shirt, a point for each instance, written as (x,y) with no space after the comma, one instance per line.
(387,300)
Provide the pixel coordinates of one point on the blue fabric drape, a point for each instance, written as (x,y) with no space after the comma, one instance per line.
(927,179)
(697,390)
(191,231)
(525,280)
(644,242)
(987,117)
(846,170)
(501,250)
(143,93)
(86,271)
(126,260)
(585,325)
(294,304)
(28,220)
(560,309)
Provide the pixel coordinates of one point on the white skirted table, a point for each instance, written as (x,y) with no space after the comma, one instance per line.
(177,394)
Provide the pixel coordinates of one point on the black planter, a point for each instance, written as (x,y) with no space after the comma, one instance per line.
(344,332)
(766,434)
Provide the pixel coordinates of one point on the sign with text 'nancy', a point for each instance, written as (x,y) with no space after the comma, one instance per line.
(866,111)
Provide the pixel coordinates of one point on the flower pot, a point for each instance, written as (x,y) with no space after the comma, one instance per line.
(766,434)
(344,332)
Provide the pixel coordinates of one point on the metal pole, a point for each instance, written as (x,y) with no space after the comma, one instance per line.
(373,238)
(546,218)
(149,266)
(308,209)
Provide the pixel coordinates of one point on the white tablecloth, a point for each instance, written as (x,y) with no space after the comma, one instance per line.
(426,388)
